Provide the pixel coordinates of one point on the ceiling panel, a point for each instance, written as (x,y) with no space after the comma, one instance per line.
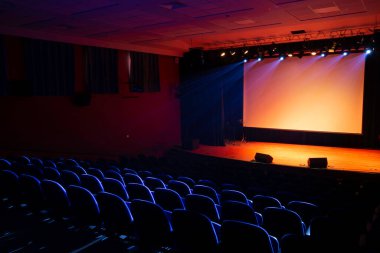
(196,23)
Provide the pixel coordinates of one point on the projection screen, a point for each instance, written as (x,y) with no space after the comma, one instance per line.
(314,93)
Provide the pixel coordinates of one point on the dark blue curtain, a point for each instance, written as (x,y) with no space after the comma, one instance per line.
(144,75)
(209,100)
(100,66)
(3,72)
(49,68)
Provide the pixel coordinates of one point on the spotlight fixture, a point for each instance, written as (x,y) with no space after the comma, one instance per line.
(323,54)
(368,51)
(290,55)
(222,54)
(233,52)
(259,59)
(245,60)
(246,51)
(313,53)
(282,58)
(345,53)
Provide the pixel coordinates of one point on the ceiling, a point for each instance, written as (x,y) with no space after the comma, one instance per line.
(172,27)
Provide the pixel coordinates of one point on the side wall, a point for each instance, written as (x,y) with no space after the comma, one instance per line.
(111,125)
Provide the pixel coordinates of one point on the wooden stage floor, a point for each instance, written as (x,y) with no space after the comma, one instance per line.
(345,159)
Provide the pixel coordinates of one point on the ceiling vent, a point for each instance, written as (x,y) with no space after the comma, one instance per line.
(173,5)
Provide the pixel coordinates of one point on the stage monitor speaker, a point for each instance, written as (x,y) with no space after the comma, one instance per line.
(317,163)
(263,158)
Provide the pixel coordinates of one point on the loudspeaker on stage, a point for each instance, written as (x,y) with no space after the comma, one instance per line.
(319,162)
(263,158)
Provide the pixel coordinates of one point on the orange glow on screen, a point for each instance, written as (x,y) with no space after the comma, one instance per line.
(323,94)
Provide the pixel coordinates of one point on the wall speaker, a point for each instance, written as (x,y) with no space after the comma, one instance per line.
(82,99)
(319,162)
(20,88)
(263,158)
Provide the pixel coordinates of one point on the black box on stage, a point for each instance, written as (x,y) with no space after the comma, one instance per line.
(319,162)
(263,158)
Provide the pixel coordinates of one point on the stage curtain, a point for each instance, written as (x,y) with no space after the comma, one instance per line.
(100,67)
(371,119)
(144,72)
(3,72)
(49,67)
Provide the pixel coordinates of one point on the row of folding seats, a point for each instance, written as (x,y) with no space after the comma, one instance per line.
(185,230)
(79,197)
(191,194)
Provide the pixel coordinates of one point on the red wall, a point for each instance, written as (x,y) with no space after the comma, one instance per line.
(112,125)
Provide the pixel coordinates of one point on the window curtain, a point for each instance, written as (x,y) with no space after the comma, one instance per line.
(3,72)
(49,67)
(100,66)
(144,72)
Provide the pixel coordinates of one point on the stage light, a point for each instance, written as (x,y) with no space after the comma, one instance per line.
(282,58)
(233,52)
(368,51)
(259,59)
(222,54)
(290,55)
(245,60)
(245,51)
(313,53)
(323,55)
(345,53)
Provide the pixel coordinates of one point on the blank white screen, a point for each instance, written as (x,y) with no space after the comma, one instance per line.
(309,94)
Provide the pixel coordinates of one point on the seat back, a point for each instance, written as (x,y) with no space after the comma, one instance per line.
(280,221)
(77,169)
(56,198)
(115,213)
(180,187)
(208,182)
(116,187)
(238,236)
(193,232)
(139,191)
(84,206)
(152,183)
(69,177)
(9,184)
(131,171)
(307,211)
(206,191)
(132,178)
(91,183)
(234,210)
(188,180)
(168,199)
(115,175)
(31,191)
(234,195)
(52,174)
(260,202)
(202,204)
(95,172)
(152,225)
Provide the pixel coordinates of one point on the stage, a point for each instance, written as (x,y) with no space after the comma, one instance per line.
(343,159)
